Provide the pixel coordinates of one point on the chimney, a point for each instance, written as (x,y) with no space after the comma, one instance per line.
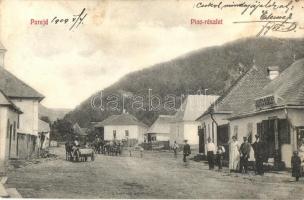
(273,72)
(2,53)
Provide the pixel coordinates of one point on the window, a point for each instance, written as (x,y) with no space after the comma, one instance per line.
(14,133)
(18,122)
(8,126)
(114,134)
(212,131)
(127,133)
(11,131)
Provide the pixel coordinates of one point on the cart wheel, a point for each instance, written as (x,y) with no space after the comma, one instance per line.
(92,156)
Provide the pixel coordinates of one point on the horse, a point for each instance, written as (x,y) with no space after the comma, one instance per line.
(68,150)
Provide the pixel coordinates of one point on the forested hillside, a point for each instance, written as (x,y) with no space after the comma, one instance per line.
(215,68)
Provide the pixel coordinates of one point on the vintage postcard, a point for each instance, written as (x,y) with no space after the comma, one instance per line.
(154,99)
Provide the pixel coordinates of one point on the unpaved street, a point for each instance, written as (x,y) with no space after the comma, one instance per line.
(156,175)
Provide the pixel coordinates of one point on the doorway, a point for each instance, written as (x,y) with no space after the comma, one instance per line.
(201,143)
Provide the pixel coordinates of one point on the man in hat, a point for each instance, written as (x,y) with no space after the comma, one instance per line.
(245,153)
(186,151)
(258,148)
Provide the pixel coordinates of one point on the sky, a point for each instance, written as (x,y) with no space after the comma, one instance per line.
(116,38)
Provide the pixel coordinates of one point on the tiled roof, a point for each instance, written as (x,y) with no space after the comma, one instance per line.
(78,130)
(5,101)
(122,119)
(161,124)
(288,87)
(14,87)
(240,96)
(194,106)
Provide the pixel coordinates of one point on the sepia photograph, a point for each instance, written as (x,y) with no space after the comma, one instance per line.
(153,99)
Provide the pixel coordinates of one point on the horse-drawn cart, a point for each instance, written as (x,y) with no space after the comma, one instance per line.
(79,153)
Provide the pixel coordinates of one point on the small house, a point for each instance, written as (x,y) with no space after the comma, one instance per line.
(22,133)
(160,129)
(123,127)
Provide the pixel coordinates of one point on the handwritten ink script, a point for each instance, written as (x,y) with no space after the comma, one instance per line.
(272,15)
(73,21)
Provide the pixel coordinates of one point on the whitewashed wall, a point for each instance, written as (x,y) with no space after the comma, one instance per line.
(29,118)
(221,119)
(296,117)
(135,132)
(176,132)
(5,115)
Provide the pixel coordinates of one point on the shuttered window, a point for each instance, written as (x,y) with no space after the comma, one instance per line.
(284,133)
(8,128)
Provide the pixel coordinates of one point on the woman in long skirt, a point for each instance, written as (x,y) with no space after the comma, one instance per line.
(234,157)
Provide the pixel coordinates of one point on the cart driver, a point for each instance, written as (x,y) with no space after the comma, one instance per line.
(75,145)
(76,142)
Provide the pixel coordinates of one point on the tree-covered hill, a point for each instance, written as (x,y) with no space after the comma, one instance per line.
(215,68)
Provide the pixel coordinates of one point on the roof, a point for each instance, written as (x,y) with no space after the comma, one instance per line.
(5,101)
(161,124)
(273,68)
(194,106)
(242,93)
(78,130)
(43,126)
(288,87)
(14,87)
(119,120)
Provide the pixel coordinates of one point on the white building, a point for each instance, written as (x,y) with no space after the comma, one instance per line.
(9,120)
(123,127)
(214,122)
(184,125)
(160,129)
(276,114)
(25,99)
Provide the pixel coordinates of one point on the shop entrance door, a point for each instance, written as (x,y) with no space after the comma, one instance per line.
(223,139)
(201,137)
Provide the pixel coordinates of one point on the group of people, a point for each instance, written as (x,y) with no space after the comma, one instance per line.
(242,154)
(215,155)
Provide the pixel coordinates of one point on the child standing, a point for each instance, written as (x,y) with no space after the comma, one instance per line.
(220,156)
(296,165)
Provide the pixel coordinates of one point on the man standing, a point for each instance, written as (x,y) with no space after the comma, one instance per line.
(245,153)
(258,148)
(175,148)
(187,151)
(210,153)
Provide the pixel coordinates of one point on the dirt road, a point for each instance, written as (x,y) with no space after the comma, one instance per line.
(156,175)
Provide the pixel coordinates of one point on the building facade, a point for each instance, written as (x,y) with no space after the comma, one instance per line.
(22,130)
(160,129)
(276,115)
(214,122)
(184,125)
(123,127)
